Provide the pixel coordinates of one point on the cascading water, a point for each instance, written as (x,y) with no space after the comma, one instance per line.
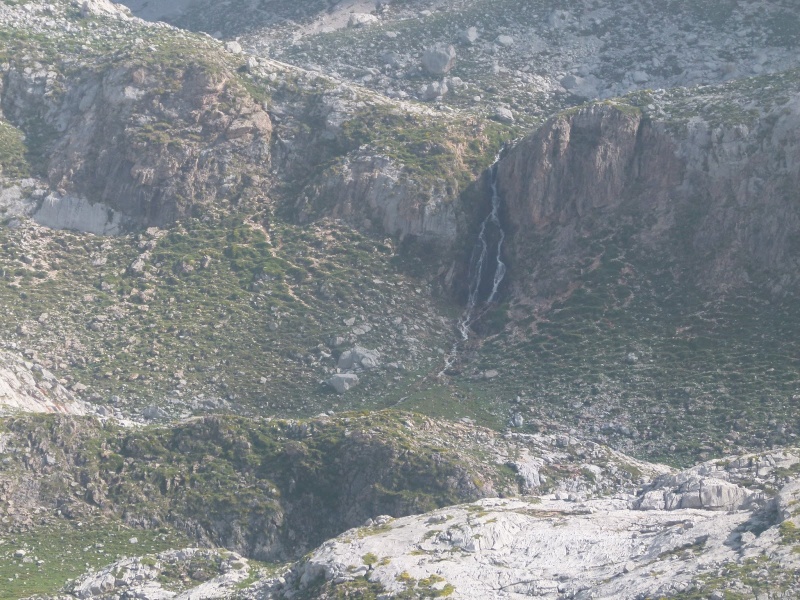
(482,254)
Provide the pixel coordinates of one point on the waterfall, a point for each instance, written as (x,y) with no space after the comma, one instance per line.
(480,257)
(487,253)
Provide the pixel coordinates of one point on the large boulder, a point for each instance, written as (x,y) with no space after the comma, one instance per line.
(342,382)
(716,494)
(439,59)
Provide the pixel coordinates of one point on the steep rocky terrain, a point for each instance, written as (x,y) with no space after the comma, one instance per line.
(728,529)
(236,246)
(554,549)
(268,489)
(525,57)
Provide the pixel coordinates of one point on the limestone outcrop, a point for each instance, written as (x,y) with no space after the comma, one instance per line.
(598,548)
(28,387)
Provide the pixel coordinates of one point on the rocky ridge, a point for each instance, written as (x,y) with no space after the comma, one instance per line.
(522,57)
(544,547)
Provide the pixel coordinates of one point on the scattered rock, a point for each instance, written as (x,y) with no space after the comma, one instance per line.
(434,90)
(359,357)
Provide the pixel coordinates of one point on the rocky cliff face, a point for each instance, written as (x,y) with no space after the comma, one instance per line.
(372,192)
(146,143)
(716,201)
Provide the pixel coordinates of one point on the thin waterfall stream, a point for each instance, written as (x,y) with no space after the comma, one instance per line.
(483,253)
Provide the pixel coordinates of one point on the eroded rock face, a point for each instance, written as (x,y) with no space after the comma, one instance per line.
(147,141)
(717,485)
(374,188)
(684,191)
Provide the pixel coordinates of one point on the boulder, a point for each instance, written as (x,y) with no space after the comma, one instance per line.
(104,8)
(571,82)
(527,475)
(505,40)
(716,494)
(503,114)
(233,47)
(342,382)
(558,19)
(652,501)
(468,36)
(439,59)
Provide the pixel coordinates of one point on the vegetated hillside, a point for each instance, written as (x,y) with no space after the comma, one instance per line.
(188,229)
(726,527)
(230,304)
(269,489)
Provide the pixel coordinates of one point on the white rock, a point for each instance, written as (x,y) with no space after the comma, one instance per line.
(75,212)
(551,549)
(21,390)
(468,36)
(362,19)
(233,47)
